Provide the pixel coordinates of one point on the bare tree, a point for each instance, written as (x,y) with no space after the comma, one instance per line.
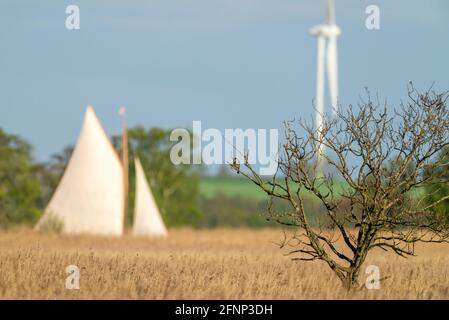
(381,157)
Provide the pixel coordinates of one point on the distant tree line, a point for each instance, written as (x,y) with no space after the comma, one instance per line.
(20,190)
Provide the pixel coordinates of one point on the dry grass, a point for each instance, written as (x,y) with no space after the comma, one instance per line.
(221,264)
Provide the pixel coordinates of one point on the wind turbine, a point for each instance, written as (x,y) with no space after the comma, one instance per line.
(326,35)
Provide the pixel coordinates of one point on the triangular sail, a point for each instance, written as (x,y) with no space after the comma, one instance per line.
(90,196)
(147,219)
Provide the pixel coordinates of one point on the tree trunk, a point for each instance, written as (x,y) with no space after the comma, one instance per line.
(350,282)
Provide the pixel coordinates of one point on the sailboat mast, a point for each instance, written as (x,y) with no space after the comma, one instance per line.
(125,162)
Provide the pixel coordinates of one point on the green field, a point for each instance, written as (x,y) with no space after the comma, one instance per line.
(236,186)
(230,186)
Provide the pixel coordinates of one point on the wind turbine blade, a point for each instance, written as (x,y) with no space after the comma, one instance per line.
(332,71)
(330,12)
(319,98)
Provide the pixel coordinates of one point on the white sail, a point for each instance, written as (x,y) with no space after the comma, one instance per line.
(90,196)
(147,219)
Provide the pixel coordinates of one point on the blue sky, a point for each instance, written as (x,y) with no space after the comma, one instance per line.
(228,63)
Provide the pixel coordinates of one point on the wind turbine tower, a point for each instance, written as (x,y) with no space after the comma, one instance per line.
(326,34)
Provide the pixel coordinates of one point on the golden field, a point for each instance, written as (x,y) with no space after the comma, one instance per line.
(216,264)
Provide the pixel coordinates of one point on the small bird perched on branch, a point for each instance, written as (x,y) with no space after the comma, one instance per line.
(236,165)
